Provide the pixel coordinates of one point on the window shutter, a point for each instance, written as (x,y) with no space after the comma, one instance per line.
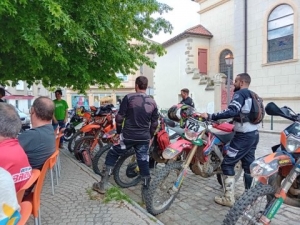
(202,60)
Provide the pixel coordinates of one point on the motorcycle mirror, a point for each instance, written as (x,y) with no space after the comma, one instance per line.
(273,110)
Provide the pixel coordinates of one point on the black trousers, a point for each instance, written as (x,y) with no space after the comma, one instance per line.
(242,147)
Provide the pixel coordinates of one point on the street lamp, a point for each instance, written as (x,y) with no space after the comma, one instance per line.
(229,61)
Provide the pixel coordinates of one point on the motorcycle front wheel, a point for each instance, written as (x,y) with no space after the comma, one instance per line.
(68,133)
(99,159)
(73,139)
(160,195)
(126,172)
(250,206)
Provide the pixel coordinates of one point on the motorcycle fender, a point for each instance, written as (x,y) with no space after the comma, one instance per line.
(268,165)
(89,127)
(176,148)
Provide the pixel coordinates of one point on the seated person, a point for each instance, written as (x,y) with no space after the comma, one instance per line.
(9,207)
(12,156)
(39,141)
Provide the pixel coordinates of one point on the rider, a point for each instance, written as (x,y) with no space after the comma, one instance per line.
(136,121)
(185,98)
(243,145)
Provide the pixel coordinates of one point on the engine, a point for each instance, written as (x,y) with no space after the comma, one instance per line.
(205,168)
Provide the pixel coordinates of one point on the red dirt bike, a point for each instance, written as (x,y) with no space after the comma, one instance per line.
(200,148)
(277,175)
(85,147)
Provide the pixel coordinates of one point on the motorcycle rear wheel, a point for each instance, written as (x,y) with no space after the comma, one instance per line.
(239,213)
(160,183)
(122,166)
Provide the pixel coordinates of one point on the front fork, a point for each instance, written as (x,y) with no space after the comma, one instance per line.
(280,195)
(184,169)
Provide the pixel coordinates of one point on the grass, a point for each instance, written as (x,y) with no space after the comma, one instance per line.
(114,193)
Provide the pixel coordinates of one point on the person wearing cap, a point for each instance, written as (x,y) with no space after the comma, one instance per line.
(60,116)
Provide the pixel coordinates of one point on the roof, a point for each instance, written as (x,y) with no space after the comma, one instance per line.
(198,30)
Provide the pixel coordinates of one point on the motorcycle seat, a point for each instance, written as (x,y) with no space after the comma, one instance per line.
(224,137)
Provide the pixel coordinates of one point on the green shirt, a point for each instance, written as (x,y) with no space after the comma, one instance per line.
(60,109)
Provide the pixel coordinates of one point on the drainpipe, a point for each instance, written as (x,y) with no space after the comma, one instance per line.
(245,36)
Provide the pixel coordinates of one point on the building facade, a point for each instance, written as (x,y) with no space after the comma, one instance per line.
(263,37)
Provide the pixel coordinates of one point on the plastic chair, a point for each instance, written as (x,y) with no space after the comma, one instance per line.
(26,209)
(35,196)
(57,140)
(35,173)
(53,164)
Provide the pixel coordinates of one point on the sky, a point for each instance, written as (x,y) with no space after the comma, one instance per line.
(183,16)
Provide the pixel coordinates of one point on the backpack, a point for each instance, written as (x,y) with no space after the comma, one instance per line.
(162,137)
(257,111)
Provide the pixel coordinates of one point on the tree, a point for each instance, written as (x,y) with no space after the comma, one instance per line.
(77,43)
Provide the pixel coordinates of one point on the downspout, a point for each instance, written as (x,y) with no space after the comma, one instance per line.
(245,36)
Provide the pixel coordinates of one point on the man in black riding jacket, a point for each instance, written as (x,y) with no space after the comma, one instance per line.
(136,121)
(243,145)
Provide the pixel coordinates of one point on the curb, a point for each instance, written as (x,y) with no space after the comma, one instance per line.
(269,131)
(97,177)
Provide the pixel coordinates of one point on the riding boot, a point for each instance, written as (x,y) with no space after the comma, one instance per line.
(228,198)
(145,186)
(247,180)
(102,185)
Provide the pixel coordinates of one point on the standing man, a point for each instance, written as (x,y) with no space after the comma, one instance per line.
(60,116)
(243,145)
(139,114)
(185,98)
(2,94)
(39,142)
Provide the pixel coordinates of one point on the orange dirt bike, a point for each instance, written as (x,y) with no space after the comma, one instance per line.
(201,149)
(277,176)
(96,118)
(85,147)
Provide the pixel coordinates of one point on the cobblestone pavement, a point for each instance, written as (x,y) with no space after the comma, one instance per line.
(75,203)
(195,204)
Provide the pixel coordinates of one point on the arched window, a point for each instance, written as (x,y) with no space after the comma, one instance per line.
(223,68)
(280,33)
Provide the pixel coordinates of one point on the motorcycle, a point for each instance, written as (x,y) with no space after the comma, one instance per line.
(126,171)
(94,117)
(201,148)
(84,149)
(76,122)
(277,177)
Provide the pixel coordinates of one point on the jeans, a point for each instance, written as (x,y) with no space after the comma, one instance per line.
(141,150)
(242,147)
(61,124)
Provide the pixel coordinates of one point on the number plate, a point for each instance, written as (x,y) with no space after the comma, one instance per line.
(194,125)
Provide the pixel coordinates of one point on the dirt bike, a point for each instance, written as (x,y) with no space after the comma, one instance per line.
(126,171)
(84,149)
(95,118)
(200,148)
(277,176)
(76,122)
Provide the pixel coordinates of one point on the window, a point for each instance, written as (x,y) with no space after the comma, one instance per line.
(20,85)
(223,68)
(202,60)
(122,77)
(280,33)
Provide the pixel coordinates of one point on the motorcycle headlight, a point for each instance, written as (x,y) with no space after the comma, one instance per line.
(292,143)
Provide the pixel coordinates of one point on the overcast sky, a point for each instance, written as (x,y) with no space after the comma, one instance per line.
(183,16)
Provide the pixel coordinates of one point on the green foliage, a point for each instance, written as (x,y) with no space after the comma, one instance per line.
(77,43)
(114,193)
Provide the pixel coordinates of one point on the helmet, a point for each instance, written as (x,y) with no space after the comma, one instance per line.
(180,112)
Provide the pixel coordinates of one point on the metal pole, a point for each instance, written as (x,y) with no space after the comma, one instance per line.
(228,86)
(271,122)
